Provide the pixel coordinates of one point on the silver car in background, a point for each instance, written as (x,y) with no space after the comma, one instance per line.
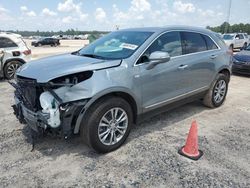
(101,90)
(14,54)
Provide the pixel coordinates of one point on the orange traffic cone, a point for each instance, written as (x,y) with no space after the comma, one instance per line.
(190,150)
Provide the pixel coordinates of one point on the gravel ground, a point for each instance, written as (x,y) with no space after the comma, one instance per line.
(149,157)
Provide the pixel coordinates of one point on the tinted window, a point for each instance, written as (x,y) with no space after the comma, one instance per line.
(192,42)
(210,44)
(169,42)
(6,43)
(241,36)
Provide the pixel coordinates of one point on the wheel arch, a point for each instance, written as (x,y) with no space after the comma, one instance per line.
(226,72)
(118,93)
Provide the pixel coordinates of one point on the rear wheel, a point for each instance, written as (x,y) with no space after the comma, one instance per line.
(10,69)
(217,93)
(244,46)
(107,124)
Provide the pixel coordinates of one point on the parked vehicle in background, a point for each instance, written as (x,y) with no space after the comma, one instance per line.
(14,54)
(46,41)
(236,40)
(101,90)
(241,62)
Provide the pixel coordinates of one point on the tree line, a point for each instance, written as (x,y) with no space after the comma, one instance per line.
(235,28)
(51,33)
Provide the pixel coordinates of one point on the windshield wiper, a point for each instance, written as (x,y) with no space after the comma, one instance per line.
(93,56)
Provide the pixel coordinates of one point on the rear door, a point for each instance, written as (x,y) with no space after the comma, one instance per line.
(200,53)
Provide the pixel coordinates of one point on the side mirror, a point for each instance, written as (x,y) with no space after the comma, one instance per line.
(156,58)
(237,38)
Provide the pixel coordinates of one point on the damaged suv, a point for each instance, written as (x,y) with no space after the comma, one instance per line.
(104,88)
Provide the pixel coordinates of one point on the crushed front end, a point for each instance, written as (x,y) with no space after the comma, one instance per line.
(40,106)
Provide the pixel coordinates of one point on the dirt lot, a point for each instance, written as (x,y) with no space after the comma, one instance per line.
(65,46)
(149,157)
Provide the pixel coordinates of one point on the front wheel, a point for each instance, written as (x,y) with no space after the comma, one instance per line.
(217,93)
(107,124)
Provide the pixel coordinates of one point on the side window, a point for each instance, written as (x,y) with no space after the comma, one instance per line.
(169,42)
(6,43)
(210,44)
(241,36)
(192,42)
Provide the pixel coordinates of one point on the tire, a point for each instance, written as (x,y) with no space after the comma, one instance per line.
(10,69)
(39,44)
(55,44)
(210,98)
(92,132)
(244,46)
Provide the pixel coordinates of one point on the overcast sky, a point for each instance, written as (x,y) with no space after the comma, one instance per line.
(57,15)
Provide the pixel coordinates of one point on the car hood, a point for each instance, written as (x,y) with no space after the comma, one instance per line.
(46,69)
(243,56)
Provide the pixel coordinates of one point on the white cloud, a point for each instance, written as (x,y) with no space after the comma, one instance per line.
(4,14)
(3,10)
(68,19)
(100,15)
(184,7)
(73,9)
(31,14)
(140,5)
(47,12)
(138,10)
(69,6)
(23,8)
(27,12)
(84,17)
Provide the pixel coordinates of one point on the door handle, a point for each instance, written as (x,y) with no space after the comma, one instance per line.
(181,67)
(213,56)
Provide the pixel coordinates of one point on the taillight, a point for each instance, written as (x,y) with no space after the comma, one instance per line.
(27,52)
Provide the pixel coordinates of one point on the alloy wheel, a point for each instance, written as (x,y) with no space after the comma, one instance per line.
(11,70)
(113,126)
(220,91)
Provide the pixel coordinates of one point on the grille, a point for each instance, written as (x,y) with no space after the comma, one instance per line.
(30,92)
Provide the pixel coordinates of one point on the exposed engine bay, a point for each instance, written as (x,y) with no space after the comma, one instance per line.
(47,106)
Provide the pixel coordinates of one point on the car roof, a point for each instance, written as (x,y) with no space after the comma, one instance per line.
(166,28)
(14,37)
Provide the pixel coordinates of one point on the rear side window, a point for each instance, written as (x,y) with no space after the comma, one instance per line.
(6,43)
(241,36)
(210,44)
(192,42)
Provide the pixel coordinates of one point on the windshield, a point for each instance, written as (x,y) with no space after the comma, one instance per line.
(228,37)
(116,45)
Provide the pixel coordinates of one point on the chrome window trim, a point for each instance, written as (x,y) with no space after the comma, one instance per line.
(218,47)
(179,96)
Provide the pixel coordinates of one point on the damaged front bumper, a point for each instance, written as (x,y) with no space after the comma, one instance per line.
(42,120)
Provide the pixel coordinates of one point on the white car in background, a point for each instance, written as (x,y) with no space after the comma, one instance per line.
(236,40)
(14,53)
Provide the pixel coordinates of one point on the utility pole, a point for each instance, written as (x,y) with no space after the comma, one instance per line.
(228,16)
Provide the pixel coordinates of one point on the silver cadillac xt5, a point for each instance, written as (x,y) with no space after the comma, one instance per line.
(103,89)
